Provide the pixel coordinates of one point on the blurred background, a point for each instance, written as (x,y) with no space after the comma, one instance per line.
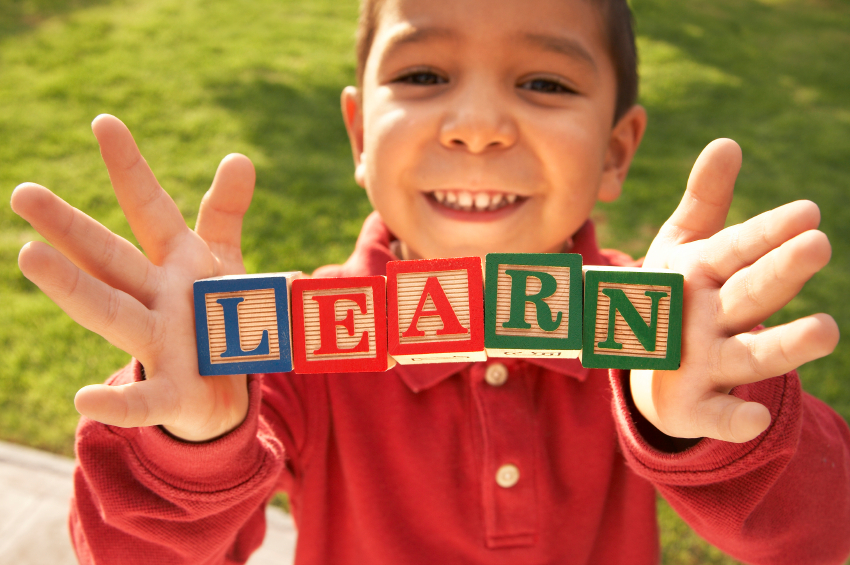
(195,80)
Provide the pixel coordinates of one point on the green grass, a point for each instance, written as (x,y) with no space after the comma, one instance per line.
(197,80)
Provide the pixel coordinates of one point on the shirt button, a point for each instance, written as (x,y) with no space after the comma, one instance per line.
(507,476)
(496,375)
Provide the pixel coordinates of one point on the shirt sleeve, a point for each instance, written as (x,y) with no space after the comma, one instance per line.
(783,497)
(142,496)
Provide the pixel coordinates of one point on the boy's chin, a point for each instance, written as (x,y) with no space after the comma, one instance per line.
(463,247)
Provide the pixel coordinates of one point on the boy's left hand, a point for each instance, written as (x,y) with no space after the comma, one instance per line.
(735,278)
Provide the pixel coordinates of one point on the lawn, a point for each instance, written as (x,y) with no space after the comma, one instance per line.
(197,80)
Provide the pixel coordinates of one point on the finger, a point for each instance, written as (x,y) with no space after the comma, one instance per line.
(738,246)
(92,247)
(705,204)
(755,356)
(153,216)
(116,316)
(143,403)
(224,205)
(728,418)
(754,293)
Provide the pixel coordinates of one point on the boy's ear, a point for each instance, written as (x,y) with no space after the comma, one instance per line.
(624,141)
(352,115)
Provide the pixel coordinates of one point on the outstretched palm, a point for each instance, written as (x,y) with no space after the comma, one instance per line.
(144,304)
(735,278)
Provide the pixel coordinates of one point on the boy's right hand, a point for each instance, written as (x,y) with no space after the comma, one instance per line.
(144,305)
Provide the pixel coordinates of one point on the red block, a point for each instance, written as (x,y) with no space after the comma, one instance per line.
(339,325)
(435,310)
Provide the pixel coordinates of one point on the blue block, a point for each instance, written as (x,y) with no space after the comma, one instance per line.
(242,324)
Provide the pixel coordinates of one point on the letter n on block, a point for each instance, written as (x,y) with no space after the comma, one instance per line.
(339,325)
(532,305)
(633,318)
(435,310)
(242,324)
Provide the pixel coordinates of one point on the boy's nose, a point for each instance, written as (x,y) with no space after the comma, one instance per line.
(477,124)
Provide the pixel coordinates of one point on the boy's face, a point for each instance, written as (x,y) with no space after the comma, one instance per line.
(486,125)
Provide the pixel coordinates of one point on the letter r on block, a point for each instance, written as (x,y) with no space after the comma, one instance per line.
(533,305)
(519,298)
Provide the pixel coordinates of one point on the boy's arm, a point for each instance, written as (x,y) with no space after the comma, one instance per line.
(142,495)
(781,498)
(771,480)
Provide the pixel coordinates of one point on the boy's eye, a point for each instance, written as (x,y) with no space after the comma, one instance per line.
(545,85)
(421,78)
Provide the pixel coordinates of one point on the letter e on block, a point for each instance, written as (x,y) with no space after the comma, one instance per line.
(532,305)
(435,310)
(339,325)
(633,318)
(242,324)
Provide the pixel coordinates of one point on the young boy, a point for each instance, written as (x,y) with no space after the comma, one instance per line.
(476,126)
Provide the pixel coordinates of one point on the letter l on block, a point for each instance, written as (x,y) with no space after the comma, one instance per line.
(242,324)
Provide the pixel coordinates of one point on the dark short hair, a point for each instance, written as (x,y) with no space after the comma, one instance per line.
(619,29)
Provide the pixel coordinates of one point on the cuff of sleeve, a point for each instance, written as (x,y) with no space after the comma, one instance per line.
(216,465)
(648,451)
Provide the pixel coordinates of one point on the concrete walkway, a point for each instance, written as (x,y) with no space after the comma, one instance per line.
(35,488)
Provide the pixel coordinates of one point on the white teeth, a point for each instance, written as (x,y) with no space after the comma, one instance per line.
(496,201)
(467,201)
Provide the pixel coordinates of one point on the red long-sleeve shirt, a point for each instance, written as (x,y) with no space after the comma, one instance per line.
(400,467)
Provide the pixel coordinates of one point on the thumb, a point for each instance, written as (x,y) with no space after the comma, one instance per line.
(225,203)
(138,404)
(704,206)
(728,418)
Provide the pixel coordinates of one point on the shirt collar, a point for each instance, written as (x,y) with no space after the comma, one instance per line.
(421,377)
(370,257)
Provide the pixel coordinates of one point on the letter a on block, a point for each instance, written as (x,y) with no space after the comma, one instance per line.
(339,325)
(242,324)
(532,305)
(435,310)
(633,318)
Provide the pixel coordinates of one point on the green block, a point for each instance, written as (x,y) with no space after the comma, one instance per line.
(532,305)
(633,318)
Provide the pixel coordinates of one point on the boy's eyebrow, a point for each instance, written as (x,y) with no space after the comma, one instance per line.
(562,45)
(410,34)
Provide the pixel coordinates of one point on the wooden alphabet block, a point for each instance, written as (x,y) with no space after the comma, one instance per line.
(242,324)
(435,310)
(633,318)
(339,325)
(533,305)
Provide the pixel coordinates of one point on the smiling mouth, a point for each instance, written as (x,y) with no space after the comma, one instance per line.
(480,201)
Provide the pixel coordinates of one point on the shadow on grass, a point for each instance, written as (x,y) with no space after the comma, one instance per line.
(778,88)
(309,204)
(21,16)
